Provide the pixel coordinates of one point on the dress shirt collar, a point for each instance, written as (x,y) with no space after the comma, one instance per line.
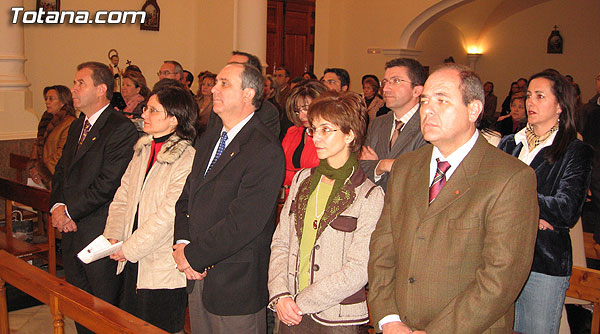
(454,159)
(236,129)
(96,115)
(525,155)
(406,117)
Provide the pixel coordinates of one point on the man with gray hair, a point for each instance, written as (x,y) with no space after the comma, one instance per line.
(454,244)
(225,216)
(171,69)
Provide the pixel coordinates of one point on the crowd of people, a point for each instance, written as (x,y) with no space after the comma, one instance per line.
(457,216)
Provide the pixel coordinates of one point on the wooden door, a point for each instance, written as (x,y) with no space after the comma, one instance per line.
(291,35)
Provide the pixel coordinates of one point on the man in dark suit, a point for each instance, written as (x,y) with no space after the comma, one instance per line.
(97,151)
(225,217)
(454,244)
(399,131)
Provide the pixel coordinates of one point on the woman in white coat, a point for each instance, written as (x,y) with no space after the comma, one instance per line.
(142,213)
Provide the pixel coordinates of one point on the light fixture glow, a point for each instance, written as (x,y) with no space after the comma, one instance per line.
(477,50)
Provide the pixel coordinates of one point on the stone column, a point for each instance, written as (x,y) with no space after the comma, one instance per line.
(17,121)
(250,27)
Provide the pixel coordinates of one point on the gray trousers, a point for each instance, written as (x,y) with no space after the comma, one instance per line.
(204,322)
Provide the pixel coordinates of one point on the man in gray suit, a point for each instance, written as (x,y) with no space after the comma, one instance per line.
(399,131)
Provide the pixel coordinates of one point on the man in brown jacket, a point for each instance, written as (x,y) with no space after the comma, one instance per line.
(454,243)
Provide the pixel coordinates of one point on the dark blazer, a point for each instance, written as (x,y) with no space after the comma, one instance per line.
(87,179)
(229,217)
(562,188)
(457,265)
(378,138)
(505,126)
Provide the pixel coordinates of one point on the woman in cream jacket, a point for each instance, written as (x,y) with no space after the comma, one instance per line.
(142,213)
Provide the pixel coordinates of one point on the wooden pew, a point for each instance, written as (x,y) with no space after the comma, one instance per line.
(65,299)
(38,199)
(19,162)
(592,249)
(585,284)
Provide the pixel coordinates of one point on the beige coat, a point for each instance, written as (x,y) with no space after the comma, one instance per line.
(151,244)
(336,294)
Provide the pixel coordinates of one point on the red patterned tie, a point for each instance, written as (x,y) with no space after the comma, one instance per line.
(439,180)
(86,128)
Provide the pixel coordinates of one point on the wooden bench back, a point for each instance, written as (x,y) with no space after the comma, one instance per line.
(39,199)
(19,162)
(65,299)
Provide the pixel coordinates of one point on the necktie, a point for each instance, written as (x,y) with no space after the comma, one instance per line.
(398,127)
(86,128)
(439,180)
(220,150)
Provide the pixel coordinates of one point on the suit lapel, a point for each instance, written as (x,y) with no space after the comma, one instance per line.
(408,132)
(92,135)
(385,130)
(421,182)
(458,184)
(71,145)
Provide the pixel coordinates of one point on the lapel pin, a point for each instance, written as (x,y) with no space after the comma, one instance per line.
(232,154)
(93,138)
(458,192)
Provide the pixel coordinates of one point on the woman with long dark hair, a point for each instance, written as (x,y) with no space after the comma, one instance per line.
(142,213)
(320,249)
(563,166)
(298,147)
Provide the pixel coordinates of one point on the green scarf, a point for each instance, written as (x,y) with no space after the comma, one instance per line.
(340,175)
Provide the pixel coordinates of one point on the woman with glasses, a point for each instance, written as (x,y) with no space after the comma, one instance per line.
(563,166)
(51,135)
(320,249)
(298,147)
(142,213)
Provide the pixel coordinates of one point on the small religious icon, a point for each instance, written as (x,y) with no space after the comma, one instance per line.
(113,56)
(555,42)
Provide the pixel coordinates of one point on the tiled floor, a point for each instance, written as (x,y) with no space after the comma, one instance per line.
(35,320)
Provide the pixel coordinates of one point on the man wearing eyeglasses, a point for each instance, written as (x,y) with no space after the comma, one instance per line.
(399,131)
(171,69)
(336,79)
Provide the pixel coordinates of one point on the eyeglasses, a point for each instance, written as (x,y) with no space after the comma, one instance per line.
(395,81)
(323,131)
(331,81)
(152,110)
(165,73)
(300,109)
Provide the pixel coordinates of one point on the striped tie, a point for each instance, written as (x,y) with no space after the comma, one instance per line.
(439,180)
(86,128)
(220,150)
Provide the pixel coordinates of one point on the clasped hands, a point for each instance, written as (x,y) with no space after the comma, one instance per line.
(183,265)
(61,221)
(398,327)
(288,311)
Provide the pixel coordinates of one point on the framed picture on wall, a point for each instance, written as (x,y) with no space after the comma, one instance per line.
(152,16)
(48,5)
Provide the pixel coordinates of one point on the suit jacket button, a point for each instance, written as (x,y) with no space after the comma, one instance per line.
(411,280)
(316,267)
(317,247)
